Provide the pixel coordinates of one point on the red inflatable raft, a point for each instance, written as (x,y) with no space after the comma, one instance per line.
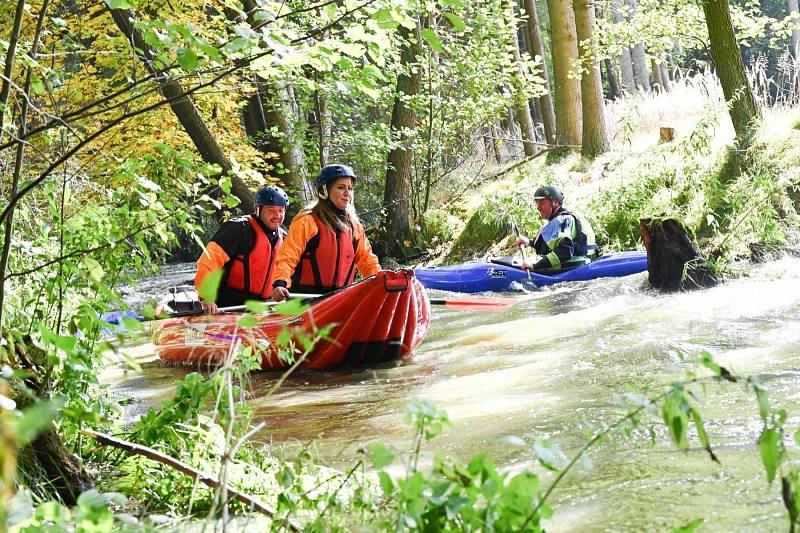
(381,318)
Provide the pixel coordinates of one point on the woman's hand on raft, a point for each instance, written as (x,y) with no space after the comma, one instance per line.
(209,308)
(280,294)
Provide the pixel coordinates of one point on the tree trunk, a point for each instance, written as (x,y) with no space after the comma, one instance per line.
(46,457)
(272,108)
(658,84)
(323,128)
(22,130)
(523,110)
(497,132)
(665,76)
(625,61)
(564,46)
(614,90)
(794,11)
(742,105)
(488,142)
(8,68)
(184,109)
(638,55)
(397,192)
(595,134)
(537,47)
(673,261)
(280,112)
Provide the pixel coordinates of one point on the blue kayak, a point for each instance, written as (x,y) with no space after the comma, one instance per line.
(502,275)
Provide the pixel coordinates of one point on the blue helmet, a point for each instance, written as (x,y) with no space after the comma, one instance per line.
(332,172)
(271,195)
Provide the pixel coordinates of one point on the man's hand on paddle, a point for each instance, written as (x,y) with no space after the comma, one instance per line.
(280,294)
(523,241)
(527,266)
(209,308)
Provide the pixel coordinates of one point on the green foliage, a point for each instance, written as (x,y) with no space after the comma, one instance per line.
(487,226)
(95,511)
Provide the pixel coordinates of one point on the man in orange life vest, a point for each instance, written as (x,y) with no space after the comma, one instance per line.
(245,248)
(326,243)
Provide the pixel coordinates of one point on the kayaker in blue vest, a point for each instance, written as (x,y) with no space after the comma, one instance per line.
(245,248)
(566,241)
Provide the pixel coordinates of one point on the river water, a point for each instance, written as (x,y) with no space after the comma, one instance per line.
(551,367)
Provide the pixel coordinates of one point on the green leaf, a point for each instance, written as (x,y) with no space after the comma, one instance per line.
(456,22)
(292,307)
(20,508)
(256,306)
(550,455)
(131,324)
(247,321)
(225,184)
(93,268)
(387,484)
(187,59)
(119,4)
(769,446)
(380,455)
(210,286)
(37,85)
(32,421)
(432,39)
(691,526)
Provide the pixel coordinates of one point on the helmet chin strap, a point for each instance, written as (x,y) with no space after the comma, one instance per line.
(322,192)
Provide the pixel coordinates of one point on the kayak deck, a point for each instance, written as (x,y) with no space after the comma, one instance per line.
(381,318)
(504,276)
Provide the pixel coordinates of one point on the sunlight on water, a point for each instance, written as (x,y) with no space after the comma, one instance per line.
(551,367)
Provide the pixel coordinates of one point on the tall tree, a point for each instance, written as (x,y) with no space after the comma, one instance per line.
(742,105)
(8,68)
(794,11)
(564,46)
(638,54)
(665,76)
(275,109)
(595,134)
(22,130)
(521,107)
(396,197)
(184,108)
(537,48)
(625,61)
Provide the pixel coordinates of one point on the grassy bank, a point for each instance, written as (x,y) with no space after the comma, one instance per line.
(686,178)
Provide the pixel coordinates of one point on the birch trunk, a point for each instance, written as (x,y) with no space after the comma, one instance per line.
(638,55)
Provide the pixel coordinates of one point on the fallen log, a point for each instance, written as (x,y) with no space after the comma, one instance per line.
(673,261)
(189,470)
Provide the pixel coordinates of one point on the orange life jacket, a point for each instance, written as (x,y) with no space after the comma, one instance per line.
(249,275)
(328,261)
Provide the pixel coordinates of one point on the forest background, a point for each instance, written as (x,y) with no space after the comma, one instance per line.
(131,129)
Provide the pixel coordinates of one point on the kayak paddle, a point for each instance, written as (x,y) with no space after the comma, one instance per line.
(476,304)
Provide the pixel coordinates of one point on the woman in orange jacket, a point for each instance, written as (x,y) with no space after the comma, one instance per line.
(326,241)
